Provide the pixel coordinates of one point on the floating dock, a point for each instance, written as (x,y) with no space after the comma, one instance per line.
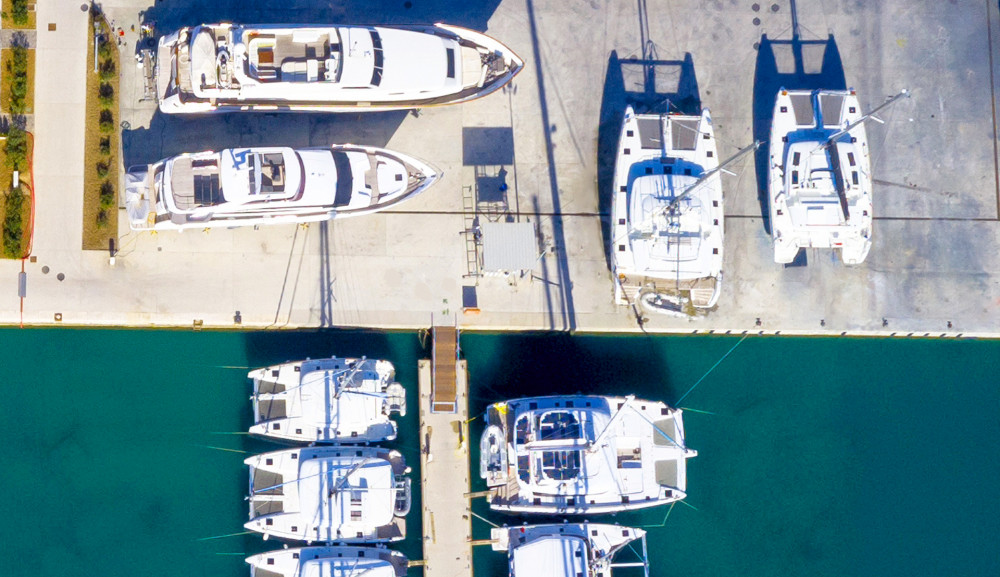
(444,459)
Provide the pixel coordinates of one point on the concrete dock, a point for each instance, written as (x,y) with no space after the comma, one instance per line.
(447,518)
(541,152)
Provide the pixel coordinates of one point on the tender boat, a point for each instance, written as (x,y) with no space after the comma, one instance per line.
(230,67)
(335,561)
(583,455)
(819,174)
(329,494)
(271,185)
(333,400)
(567,550)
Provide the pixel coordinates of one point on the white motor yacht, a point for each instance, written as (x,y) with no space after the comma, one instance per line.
(334,561)
(580,454)
(329,494)
(819,174)
(230,67)
(567,550)
(333,400)
(270,185)
(667,224)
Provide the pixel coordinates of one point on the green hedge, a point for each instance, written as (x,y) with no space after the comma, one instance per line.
(13,224)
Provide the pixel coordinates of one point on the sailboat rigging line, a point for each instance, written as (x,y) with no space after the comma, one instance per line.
(224,449)
(231,367)
(683,502)
(234,554)
(228,433)
(222,536)
(717,363)
(665,517)
(484,519)
(696,411)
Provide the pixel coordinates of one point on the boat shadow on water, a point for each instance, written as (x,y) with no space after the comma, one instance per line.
(649,85)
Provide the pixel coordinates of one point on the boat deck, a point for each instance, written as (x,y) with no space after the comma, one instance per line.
(444,469)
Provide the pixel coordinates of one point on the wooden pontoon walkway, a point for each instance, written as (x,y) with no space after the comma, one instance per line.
(444,450)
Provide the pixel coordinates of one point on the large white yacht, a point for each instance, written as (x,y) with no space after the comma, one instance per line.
(667,222)
(329,494)
(567,550)
(578,454)
(819,174)
(334,400)
(270,185)
(229,67)
(333,561)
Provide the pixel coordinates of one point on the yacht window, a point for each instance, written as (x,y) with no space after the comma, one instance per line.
(345,181)
(850,158)
(522,430)
(854,177)
(524,468)
(795,158)
(451,62)
(377,70)
(795,177)
(558,425)
(560,465)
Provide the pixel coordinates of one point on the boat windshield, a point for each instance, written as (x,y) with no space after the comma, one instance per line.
(558,465)
(522,430)
(558,425)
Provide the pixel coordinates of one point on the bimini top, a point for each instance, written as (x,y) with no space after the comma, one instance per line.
(331,561)
(329,494)
(228,67)
(819,178)
(566,550)
(327,400)
(667,213)
(583,454)
(270,185)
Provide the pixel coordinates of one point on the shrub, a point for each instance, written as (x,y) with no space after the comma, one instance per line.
(107,121)
(17,68)
(16,147)
(13,224)
(19,12)
(102,169)
(104,47)
(107,195)
(105,145)
(107,69)
(106,94)
(103,217)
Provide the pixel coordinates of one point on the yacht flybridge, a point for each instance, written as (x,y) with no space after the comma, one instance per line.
(271,185)
(819,174)
(567,550)
(230,67)
(329,494)
(332,400)
(667,214)
(583,455)
(333,561)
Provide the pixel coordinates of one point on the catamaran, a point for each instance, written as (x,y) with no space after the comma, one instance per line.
(580,454)
(667,217)
(329,494)
(819,174)
(230,67)
(568,550)
(270,185)
(333,561)
(335,400)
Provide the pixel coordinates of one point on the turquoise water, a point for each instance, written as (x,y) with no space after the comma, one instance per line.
(816,456)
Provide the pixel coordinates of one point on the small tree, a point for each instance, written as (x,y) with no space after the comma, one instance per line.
(106,94)
(19,12)
(107,195)
(16,147)
(107,69)
(13,224)
(107,121)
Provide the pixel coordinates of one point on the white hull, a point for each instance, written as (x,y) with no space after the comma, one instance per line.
(580,455)
(666,231)
(271,185)
(567,549)
(329,495)
(334,560)
(820,192)
(332,400)
(327,68)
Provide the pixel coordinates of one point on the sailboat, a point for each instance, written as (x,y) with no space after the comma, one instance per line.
(568,549)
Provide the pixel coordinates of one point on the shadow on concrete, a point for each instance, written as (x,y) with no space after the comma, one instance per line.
(563,286)
(490,150)
(172,14)
(794,64)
